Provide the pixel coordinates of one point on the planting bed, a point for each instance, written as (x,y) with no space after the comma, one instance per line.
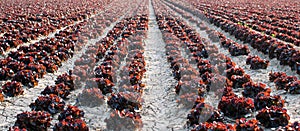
(149,65)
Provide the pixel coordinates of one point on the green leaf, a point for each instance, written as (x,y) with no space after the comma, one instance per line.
(273,35)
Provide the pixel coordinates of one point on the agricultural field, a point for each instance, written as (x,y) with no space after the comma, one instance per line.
(143,65)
